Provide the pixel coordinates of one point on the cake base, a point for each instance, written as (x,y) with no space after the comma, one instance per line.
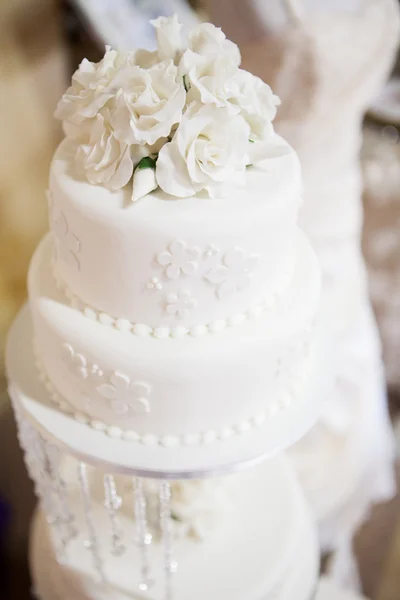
(121,456)
(265,550)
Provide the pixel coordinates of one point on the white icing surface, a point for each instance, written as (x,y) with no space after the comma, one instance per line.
(177,302)
(266,549)
(226,254)
(155,387)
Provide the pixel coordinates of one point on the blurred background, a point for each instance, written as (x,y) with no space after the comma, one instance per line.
(41,44)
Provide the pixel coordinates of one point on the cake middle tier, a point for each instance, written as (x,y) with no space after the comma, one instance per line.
(188,390)
(165,261)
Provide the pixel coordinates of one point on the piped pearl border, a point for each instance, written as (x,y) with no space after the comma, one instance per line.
(179,331)
(295,387)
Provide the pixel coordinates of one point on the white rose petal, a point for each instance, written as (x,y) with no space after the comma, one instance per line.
(144,59)
(144,182)
(208,40)
(254,96)
(169,40)
(90,90)
(211,79)
(208,151)
(258,105)
(148,103)
(104,159)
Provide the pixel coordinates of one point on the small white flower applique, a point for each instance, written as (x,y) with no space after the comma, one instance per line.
(179,259)
(125,396)
(67,245)
(211,251)
(79,365)
(180,304)
(234,274)
(76,362)
(154,285)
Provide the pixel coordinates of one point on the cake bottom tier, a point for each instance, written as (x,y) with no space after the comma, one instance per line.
(264,548)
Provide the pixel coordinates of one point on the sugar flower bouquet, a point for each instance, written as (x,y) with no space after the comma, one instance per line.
(184,118)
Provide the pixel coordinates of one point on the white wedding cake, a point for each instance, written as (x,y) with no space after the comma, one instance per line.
(173,306)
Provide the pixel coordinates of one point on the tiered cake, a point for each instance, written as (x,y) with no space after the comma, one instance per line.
(173,306)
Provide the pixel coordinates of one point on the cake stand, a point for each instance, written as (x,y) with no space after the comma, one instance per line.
(47,435)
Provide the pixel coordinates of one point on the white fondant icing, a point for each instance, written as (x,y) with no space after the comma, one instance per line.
(177,331)
(123,244)
(240,362)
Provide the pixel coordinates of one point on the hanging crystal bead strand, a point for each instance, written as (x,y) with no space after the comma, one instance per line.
(92,542)
(112,504)
(143,536)
(38,467)
(170,565)
(67,520)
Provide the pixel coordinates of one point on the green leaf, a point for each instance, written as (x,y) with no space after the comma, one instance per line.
(175,517)
(251,141)
(147,163)
(186,85)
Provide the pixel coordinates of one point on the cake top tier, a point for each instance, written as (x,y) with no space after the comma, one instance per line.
(184,118)
(177,129)
(168,262)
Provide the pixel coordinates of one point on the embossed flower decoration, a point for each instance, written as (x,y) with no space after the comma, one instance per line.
(76,361)
(154,285)
(234,274)
(180,304)
(125,396)
(67,245)
(211,251)
(179,259)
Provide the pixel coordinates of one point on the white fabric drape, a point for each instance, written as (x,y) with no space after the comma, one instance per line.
(327,67)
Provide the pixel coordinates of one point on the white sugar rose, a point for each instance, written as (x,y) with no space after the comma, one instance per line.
(169,38)
(258,106)
(209,79)
(254,96)
(208,40)
(90,90)
(208,151)
(148,103)
(104,159)
(143,58)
